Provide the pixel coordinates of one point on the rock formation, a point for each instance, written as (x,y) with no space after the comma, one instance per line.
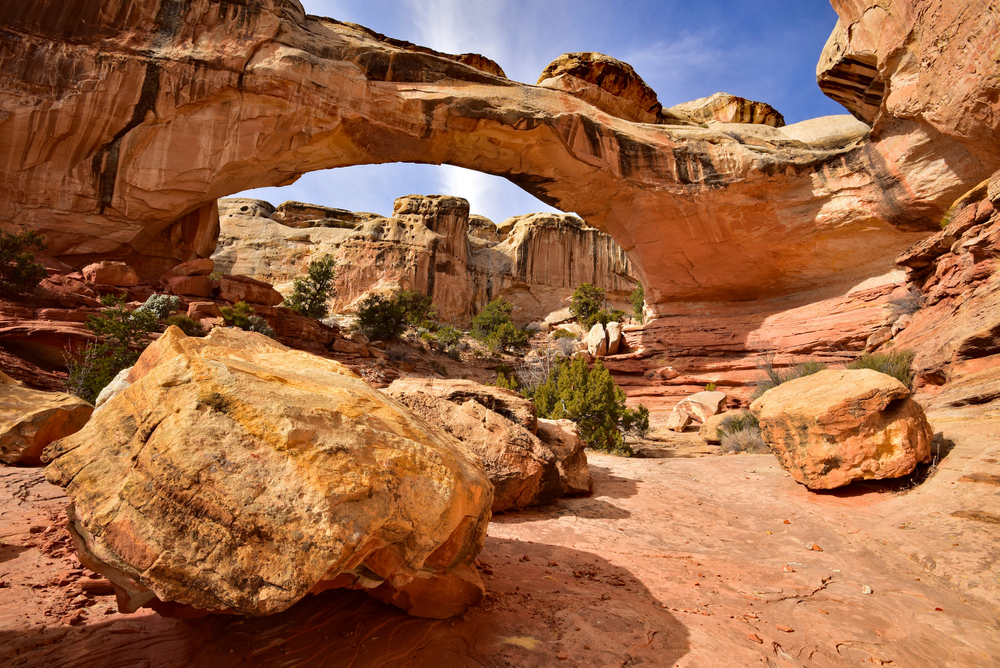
(30,420)
(833,427)
(527,464)
(286,93)
(430,244)
(234,474)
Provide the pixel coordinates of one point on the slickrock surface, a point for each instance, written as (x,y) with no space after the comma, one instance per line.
(30,420)
(673,562)
(287,93)
(429,244)
(833,427)
(234,474)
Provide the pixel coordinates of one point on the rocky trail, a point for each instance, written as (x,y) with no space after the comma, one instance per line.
(687,561)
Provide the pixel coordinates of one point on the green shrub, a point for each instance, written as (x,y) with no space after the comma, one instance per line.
(638,300)
(590,398)
(710,387)
(505,337)
(775,377)
(737,420)
(161,305)
(448,336)
(564,334)
(186,324)
(454,353)
(311,292)
(416,308)
(586,306)
(18,270)
(241,315)
(122,336)
(487,321)
(895,363)
(381,318)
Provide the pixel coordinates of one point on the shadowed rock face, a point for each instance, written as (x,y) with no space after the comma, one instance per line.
(125,124)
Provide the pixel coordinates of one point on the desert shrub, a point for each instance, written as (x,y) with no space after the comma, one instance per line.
(241,315)
(453,352)
(448,337)
(586,307)
(506,337)
(186,324)
(710,387)
(895,363)
(590,398)
(744,439)
(381,318)
(737,420)
(774,377)
(638,301)
(908,304)
(564,334)
(567,346)
(311,292)
(122,336)
(439,368)
(416,308)
(18,270)
(493,315)
(161,305)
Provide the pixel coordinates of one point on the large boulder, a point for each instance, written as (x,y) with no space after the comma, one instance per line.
(31,419)
(703,405)
(614,330)
(597,341)
(836,426)
(507,403)
(523,470)
(563,438)
(235,289)
(110,273)
(235,474)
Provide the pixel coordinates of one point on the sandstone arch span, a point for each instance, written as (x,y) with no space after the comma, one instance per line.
(121,130)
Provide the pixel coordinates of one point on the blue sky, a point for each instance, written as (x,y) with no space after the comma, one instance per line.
(765,50)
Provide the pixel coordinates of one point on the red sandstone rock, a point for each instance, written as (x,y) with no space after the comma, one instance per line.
(30,420)
(563,438)
(190,286)
(110,273)
(202,310)
(199,267)
(703,405)
(245,289)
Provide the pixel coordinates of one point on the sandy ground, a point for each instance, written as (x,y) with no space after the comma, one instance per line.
(680,559)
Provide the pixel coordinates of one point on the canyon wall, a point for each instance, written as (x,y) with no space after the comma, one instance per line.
(125,124)
(429,244)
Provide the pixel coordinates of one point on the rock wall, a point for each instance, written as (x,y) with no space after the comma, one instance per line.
(106,120)
(428,245)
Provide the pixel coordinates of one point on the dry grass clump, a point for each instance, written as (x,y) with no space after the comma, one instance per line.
(745,439)
(895,363)
(774,377)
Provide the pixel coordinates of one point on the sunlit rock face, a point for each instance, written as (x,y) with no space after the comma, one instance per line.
(123,125)
(430,244)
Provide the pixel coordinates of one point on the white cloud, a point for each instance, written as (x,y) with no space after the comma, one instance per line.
(490,196)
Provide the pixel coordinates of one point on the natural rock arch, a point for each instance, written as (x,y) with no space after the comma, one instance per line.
(124,127)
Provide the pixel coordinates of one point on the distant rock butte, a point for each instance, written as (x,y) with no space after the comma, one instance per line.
(111,158)
(430,244)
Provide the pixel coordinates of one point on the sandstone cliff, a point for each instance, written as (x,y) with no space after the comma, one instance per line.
(429,244)
(106,114)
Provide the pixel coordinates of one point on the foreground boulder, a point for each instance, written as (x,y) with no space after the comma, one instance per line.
(833,427)
(529,461)
(234,474)
(31,419)
(702,405)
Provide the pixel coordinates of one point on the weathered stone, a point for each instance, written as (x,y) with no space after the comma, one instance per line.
(678,420)
(202,266)
(30,420)
(879,337)
(726,108)
(507,403)
(703,405)
(190,286)
(117,384)
(597,340)
(235,474)
(709,430)
(202,310)
(522,469)
(7,380)
(563,438)
(110,273)
(833,427)
(614,330)
(245,289)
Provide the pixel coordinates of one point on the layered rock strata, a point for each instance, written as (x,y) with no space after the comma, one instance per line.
(286,93)
(430,244)
(236,475)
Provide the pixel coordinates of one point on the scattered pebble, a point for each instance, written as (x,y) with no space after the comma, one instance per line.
(815,548)
(756,638)
(788,569)
(525,558)
(865,589)
(784,628)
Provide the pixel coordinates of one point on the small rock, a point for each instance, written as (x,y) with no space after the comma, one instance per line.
(561,656)
(815,548)
(525,558)
(865,589)
(788,569)
(756,638)
(784,628)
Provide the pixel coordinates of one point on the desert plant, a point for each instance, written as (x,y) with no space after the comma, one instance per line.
(491,318)
(186,324)
(241,315)
(381,318)
(638,300)
(737,420)
(567,346)
(564,334)
(710,387)
(122,336)
(908,304)
(161,305)
(744,439)
(259,325)
(18,270)
(453,352)
(773,377)
(311,292)
(587,302)
(895,363)
(448,337)
(506,337)
(416,308)
(590,398)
